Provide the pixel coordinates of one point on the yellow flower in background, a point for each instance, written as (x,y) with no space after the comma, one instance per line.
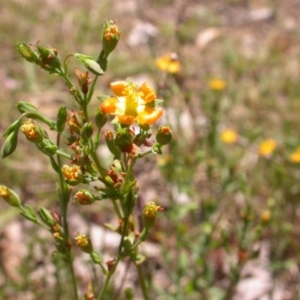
(132,103)
(229,136)
(168,62)
(267,147)
(217,84)
(295,156)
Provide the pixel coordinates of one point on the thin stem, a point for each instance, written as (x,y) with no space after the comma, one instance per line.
(64,195)
(91,91)
(142,282)
(99,167)
(105,285)
(117,209)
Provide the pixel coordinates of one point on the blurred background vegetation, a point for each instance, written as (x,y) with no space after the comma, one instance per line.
(231,203)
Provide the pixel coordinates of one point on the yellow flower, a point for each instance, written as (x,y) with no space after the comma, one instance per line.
(217,84)
(295,156)
(132,103)
(149,214)
(229,136)
(169,63)
(267,147)
(72,174)
(32,131)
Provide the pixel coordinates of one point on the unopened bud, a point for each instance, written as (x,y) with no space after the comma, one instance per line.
(111,144)
(50,60)
(100,118)
(89,63)
(61,119)
(46,216)
(87,131)
(164,135)
(84,197)
(28,53)
(84,243)
(124,138)
(24,107)
(48,147)
(10,144)
(9,196)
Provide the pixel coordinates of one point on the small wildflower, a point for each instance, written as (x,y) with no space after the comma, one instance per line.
(267,147)
(265,216)
(149,214)
(72,174)
(217,84)
(229,136)
(9,196)
(132,103)
(84,243)
(168,62)
(295,156)
(32,131)
(110,36)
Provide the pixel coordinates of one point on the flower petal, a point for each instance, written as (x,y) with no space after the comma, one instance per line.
(126,119)
(109,106)
(149,115)
(118,87)
(148,94)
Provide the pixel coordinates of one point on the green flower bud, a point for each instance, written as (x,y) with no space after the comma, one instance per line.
(84,197)
(84,243)
(164,135)
(149,214)
(87,131)
(24,107)
(46,216)
(61,119)
(111,144)
(96,257)
(28,53)
(48,147)
(89,63)
(13,127)
(100,118)
(29,213)
(124,138)
(10,144)
(50,60)
(72,174)
(9,196)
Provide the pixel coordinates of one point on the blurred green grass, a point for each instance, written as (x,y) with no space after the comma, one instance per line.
(259,61)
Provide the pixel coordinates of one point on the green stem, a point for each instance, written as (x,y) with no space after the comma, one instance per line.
(63,154)
(99,167)
(117,209)
(105,285)
(91,91)
(142,282)
(64,197)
